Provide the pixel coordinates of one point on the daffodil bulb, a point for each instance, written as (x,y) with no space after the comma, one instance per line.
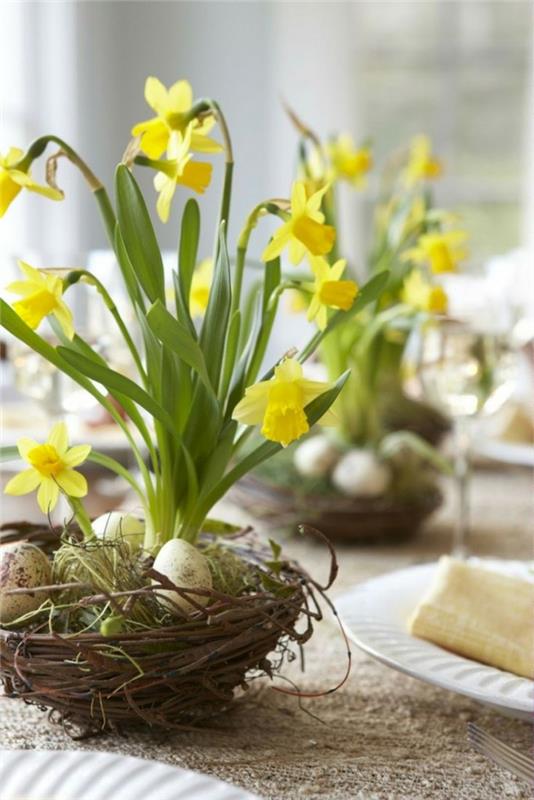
(360,474)
(115,524)
(187,568)
(22,566)
(316,456)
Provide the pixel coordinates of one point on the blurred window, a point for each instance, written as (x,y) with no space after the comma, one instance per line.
(458,71)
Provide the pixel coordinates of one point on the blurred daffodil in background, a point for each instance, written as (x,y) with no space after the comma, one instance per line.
(42,295)
(200,288)
(422,295)
(51,469)
(328,290)
(172,106)
(349,162)
(303,230)
(278,404)
(441,251)
(13,179)
(423,164)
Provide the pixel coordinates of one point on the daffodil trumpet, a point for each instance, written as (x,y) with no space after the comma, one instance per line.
(197,358)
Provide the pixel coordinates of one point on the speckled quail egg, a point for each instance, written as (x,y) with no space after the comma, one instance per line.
(22,565)
(186,567)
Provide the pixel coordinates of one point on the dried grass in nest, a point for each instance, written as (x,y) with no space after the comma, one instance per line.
(172,675)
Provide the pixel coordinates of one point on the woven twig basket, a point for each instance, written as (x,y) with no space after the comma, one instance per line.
(171,677)
(342,519)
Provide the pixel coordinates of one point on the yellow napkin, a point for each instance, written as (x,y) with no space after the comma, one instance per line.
(484,615)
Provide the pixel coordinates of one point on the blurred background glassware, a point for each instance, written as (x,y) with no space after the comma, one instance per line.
(469,371)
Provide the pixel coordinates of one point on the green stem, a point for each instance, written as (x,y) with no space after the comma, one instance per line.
(267,206)
(112,308)
(108,215)
(81,515)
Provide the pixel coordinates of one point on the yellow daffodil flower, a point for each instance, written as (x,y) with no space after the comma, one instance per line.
(422,295)
(328,291)
(200,288)
(440,251)
(278,404)
(179,169)
(304,230)
(41,295)
(171,106)
(12,180)
(51,469)
(422,165)
(350,163)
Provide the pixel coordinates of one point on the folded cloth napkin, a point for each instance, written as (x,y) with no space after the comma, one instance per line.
(481,614)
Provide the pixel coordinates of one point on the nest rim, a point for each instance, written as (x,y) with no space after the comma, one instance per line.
(365,520)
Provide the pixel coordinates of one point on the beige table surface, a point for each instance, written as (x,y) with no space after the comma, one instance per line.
(384,735)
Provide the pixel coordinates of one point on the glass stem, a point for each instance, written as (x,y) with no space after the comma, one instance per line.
(462,479)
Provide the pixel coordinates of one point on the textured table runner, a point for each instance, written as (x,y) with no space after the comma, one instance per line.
(383,736)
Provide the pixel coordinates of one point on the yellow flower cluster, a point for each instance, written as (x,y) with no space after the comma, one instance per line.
(170,132)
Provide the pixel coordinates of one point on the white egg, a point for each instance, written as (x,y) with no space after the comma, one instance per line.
(186,567)
(360,474)
(316,456)
(115,524)
(22,565)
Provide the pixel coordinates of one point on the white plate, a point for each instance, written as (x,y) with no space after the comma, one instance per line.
(507,452)
(375,614)
(84,775)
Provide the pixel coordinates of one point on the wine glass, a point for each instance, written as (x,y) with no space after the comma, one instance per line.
(468,372)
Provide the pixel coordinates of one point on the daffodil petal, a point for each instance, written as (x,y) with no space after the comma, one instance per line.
(48,494)
(155,135)
(196,175)
(24,288)
(201,143)
(14,154)
(59,438)
(31,273)
(312,389)
(163,205)
(298,198)
(72,483)
(63,314)
(45,191)
(76,455)
(180,97)
(297,251)
(280,239)
(251,408)
(156,95)
(8,191)
(24,445)
(25,482)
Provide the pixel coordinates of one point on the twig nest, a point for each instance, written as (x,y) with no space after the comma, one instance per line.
(316,457)
(187,568)
(114,525)
(22,565)
(360,474)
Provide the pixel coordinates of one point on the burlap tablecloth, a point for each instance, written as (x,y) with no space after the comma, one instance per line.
(383,735)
